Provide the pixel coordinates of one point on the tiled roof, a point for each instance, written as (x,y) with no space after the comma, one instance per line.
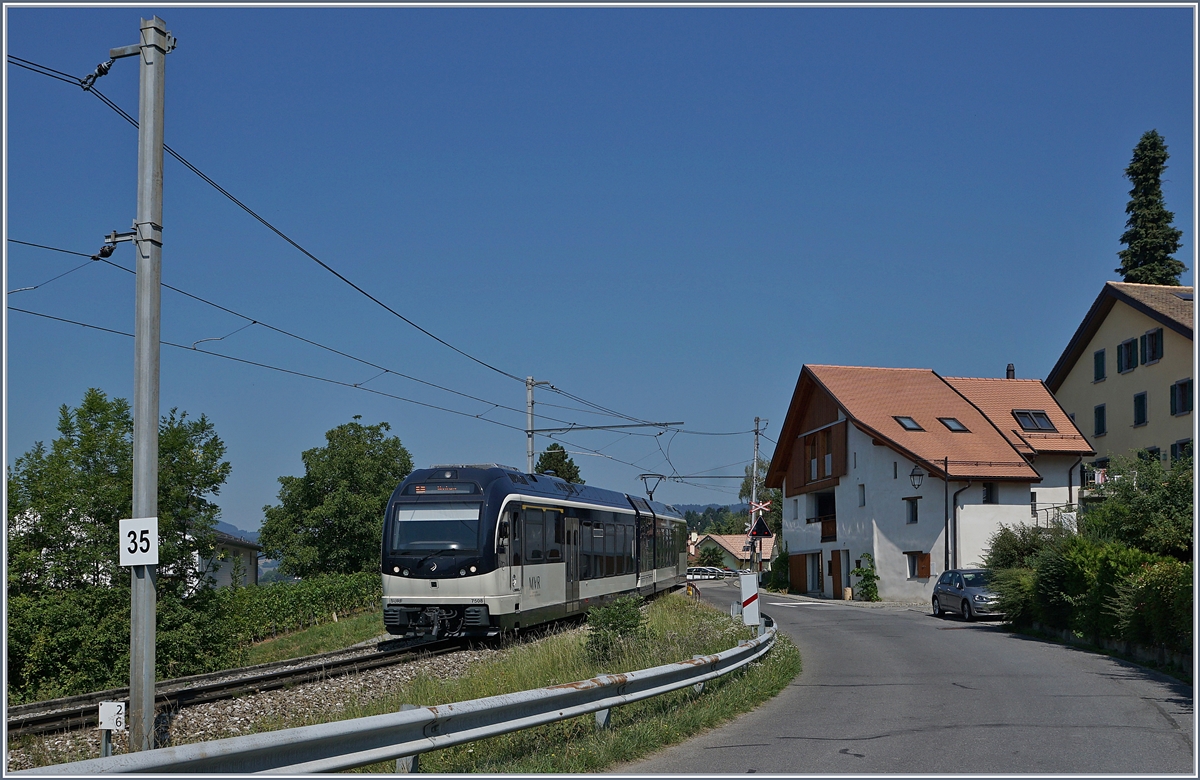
(997,398)
(1172,306)
(873,397)
(1163,299)
(733,544)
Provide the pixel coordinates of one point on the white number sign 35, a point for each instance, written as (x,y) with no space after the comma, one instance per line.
(139,541)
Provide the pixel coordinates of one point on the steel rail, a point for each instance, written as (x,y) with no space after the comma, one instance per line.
(80,711)
(341,745)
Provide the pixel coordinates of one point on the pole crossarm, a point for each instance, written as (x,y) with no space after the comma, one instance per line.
(570,428)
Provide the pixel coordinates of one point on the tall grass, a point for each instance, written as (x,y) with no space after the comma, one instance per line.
(323,638)
(676,629)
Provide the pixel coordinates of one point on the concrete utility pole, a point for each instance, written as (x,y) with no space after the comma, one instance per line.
(156,41)
(529,385)
(754,493)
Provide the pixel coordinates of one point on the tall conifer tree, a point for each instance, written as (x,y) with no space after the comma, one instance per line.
(1150,238)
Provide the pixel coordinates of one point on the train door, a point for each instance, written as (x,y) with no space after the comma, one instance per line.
(534,537)
(517,553)
(571,555)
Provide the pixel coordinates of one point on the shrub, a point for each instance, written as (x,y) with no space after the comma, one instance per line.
(67,642)
(612,627)
(1015,590)
(779,576)
(1154,605)
(868,579)
(1017,547)
(264,611)
(1145,506)
(64,643)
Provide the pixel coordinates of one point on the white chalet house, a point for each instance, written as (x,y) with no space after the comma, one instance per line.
(917,469)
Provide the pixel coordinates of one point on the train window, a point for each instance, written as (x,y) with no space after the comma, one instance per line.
(534,549)
(610,549)
(515,537)
(420,529)
(554,535)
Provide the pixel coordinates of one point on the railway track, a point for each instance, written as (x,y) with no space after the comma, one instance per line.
(75,712)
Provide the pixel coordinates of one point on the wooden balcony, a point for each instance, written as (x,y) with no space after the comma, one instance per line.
(828,527)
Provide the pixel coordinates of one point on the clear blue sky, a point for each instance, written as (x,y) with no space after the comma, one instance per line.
(663,211)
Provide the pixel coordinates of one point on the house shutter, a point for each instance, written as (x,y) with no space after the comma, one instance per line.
(923,565)
(1175,400)
(1142,350)
(1158,344)
(1120,358)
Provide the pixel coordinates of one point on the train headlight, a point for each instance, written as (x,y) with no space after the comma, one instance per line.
(472,569)
(462,572)
(396,569)
(405,572)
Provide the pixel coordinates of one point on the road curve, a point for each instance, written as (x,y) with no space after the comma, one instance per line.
(896,690)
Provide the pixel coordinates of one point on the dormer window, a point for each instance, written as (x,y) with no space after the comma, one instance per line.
(1033,420)
(908,423)
(953,424)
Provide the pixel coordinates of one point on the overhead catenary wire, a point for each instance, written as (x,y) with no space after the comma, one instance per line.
(253,321)
(46,71)
(315,377)
(89,86)
(268,366)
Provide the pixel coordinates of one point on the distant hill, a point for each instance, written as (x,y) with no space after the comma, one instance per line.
(232,530)
(699,508)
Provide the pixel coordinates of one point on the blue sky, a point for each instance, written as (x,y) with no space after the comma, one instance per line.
(663,211)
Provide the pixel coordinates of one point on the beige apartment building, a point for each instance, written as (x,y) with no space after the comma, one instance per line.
(1125,378)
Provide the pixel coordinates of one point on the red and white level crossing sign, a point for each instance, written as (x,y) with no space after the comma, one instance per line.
(749,583)
(763,507)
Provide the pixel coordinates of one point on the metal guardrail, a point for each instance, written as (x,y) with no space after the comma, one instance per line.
(332,747)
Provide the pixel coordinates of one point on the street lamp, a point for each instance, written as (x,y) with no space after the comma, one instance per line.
(916,477)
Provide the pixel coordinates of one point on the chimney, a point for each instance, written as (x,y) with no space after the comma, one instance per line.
(1010,372)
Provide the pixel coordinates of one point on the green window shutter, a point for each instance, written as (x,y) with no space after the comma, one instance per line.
(1158,341)
(1174,401)
(1142,350)
(1120,358)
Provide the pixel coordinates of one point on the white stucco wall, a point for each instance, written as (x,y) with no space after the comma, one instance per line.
(880,527)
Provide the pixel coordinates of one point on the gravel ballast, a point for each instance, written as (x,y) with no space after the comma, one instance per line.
(308,702)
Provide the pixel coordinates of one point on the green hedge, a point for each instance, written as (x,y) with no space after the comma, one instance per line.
(1100,589)
(68,642)
(1154,605)
(77,641)
(268,610)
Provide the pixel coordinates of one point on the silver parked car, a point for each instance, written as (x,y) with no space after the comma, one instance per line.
(964,592)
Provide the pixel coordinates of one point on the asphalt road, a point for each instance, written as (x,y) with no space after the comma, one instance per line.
(894,689)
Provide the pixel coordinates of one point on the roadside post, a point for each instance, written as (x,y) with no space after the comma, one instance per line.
(112,718)
(750,601)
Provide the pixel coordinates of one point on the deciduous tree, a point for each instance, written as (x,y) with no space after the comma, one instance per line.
(1145,506)
(331,519)
(773,516)
(65,502)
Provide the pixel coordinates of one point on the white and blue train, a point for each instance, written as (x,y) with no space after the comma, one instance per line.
(477,550)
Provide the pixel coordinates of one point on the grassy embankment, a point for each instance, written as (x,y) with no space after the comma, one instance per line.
(677,629)
(324,638)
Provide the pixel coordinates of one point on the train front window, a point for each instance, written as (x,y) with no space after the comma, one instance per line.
(421,528)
